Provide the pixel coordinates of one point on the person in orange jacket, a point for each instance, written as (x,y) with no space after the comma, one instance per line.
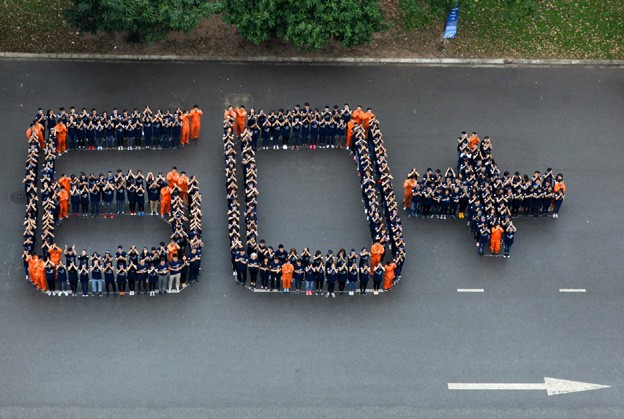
(172,249)
(195,116)
(183,184)
(351,125)
(32,267)
(55,253)
(357,115)
(39,272)
(287,275)
(30,131)
(185,132)
(367,117)
(172,177)
(473,141)
(63,198)
(495,239)
(409,185)
(39,130)
(241,119)
(377,251)
(165,201)
(61,137)
(389,276)
(65,182)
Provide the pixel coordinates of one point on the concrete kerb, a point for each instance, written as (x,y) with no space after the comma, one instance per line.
(433,62)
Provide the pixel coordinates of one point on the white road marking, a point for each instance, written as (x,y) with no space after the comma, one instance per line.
(357,292)
(470,290)
(572,290)
(553,386)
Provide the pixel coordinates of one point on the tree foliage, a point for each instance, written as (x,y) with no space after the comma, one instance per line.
(308,24)
(143,20)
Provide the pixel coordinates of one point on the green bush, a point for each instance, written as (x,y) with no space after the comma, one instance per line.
(142,20)
(308,24)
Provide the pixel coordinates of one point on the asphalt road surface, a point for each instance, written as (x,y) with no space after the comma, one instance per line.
(217,349)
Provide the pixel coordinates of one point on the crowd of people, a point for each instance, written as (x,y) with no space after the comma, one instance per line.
(330,127)
(485,197)
(166,267)
(125,130)
(281,270)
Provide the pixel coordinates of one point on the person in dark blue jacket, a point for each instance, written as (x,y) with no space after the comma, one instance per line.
(331,275)
(50,277)
(378,276)
(241,267)
(61,278)
(364,277)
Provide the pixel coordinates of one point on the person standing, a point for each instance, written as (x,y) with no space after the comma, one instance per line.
(253,266)
(364,277)
(298,275)
(508,239)
(153,277)
(241,267)
(175,269)
(122,278)
(72,273)
(84,280)
(378,274)
(50,277)
(96,278)
(195,116)
(389,276)
(265,273)
(309,278)
(61,279)
(109,278)
(163,272)
(331,276)
(352,277)
(495,239)
(287,274)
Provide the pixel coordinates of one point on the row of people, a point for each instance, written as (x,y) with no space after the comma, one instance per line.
(282,270)
(118,130)
(374,170)
(140,272)
(297,127)
(108,194)
(448,196)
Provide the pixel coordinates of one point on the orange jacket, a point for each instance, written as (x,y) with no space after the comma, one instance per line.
(183,183)
(61,131)
(409,184)
(63,195)
(241,117)
(377,250)
(165,194)
(287,271)
(65,182)
(366,118)
(473,141)
(559,185)
(55,255)
(357,116)
(172,178)
(497,233)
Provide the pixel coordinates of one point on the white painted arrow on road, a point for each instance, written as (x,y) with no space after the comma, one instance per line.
(552,386)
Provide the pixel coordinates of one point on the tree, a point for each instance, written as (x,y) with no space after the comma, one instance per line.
(143,20)
(309,24)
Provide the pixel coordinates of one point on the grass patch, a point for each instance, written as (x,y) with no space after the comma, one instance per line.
(578,29)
